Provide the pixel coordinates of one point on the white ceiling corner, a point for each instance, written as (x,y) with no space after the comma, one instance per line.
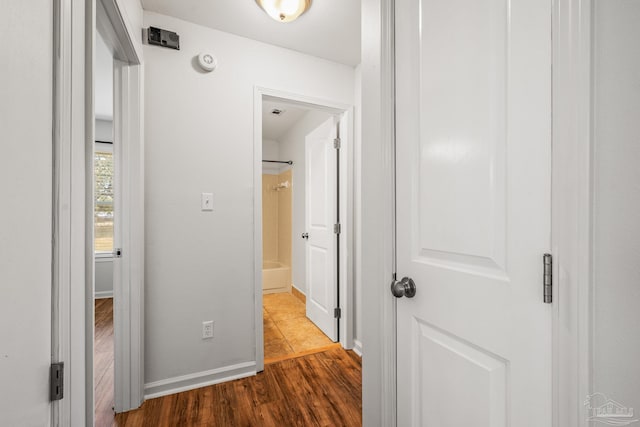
(274,127)
(330,29)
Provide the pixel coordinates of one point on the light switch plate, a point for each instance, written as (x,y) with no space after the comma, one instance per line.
(207,202)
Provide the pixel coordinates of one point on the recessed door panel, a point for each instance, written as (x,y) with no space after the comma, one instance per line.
(459,199)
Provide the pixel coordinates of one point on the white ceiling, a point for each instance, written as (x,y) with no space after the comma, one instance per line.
(273,126)
(330,29)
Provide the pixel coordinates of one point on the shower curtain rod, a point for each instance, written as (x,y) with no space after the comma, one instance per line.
(289,162)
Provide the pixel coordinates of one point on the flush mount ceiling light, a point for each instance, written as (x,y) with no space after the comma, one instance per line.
(284,10)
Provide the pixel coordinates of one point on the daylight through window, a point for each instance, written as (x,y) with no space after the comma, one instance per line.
(103,193)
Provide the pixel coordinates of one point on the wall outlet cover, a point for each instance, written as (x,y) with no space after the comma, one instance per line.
(207,329)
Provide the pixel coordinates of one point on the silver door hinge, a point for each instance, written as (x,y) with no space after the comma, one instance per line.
(56,381)
(117,253)
(336,143)
(547,278)
(337,313)
(336,228)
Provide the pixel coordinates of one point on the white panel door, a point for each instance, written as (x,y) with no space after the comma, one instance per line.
(321,214)
(473,217)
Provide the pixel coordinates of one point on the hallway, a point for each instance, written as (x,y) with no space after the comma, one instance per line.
(320,389)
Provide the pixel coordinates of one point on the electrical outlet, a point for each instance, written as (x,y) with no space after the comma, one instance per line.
(207,329)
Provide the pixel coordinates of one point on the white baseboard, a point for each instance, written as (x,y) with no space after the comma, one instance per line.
(357,347)
(103,294)
(199,379)
(298,289)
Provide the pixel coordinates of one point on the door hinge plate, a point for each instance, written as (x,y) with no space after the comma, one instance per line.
(337,313)
(336,143)
(547,281)
(56,381)
(337,228)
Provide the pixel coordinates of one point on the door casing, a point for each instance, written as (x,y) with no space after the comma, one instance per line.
(346,208)
(73,301)
(572,201)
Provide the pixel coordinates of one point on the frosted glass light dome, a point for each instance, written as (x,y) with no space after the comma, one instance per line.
(284,10)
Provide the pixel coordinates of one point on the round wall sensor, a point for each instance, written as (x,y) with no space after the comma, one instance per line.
(207,61)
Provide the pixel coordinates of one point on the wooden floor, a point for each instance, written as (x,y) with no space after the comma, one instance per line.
(103,362)
(321,389)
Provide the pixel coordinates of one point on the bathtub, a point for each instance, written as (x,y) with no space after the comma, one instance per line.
(276,277)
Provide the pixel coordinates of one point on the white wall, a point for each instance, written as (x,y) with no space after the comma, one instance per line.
(104,277)
(103,80)
(25,218)
(104,130)
(199,133)
(292,147)
(616,238)
(271,151)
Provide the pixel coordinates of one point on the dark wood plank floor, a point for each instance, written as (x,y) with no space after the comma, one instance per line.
(103,362)
(323,389)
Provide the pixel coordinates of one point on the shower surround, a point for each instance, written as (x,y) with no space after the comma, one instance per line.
(276,232)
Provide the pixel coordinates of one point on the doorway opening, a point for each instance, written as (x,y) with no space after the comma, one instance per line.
(116,208)
(104,168)
(303,219)
(289,188)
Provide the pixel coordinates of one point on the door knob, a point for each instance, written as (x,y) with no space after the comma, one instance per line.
(305,235)
(403,288)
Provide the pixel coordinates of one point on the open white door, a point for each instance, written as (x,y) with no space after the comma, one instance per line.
(473,212)
(321,215)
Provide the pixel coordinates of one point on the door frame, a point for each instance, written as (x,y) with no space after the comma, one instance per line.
(128,149)
(73,265)
(346,209)
(572,197)
(72,134)
(376,216)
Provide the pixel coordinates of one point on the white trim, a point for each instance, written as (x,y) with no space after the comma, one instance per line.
(377,243)
(103,256)
(70,269)
(346,202)
(128,235)
(572,210)
(357,347)
(103,294)
(199,379)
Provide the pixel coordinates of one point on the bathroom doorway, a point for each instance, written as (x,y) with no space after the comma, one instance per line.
(301,258)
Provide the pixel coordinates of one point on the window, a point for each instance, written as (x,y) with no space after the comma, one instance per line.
(103,194)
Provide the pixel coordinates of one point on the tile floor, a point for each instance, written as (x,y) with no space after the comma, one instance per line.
(287,331)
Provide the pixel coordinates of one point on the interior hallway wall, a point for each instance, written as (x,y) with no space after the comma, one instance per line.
(616,206)
(25,218)
(199,134)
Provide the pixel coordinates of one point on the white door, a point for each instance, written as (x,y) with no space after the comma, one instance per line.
(321,215)
(473,218)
